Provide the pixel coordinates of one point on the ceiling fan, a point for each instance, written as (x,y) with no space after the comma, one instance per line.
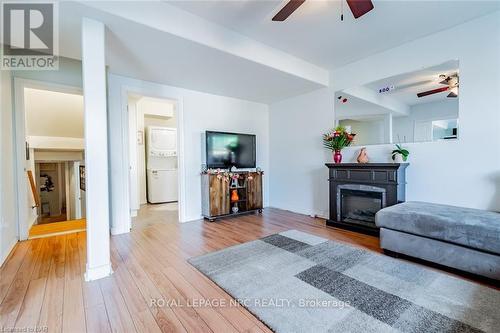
(358,8)
(451,82)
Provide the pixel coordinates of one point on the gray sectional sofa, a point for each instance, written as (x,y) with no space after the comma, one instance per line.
(462,238)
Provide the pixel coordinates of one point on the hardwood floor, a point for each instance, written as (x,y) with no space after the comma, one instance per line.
(57,228)
(42,282)
(155,213)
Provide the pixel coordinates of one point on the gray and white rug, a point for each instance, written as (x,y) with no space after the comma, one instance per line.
(297,282)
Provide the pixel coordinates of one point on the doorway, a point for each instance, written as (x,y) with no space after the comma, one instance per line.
(60,192)
(154,160)
(50,126)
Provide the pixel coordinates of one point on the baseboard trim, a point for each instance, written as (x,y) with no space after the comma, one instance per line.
(192,219)
(8,252)
(119,231)
(99,272)
(33,220)
(310,213)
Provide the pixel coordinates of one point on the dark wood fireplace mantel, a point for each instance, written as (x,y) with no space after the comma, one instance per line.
(362,189)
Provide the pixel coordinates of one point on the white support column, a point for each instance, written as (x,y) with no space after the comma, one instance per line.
(96,152)
(388,128)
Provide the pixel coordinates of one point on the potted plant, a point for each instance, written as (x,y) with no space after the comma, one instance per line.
(336,140)
(400,155)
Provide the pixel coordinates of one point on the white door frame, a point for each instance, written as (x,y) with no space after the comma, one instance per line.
(132,156)
(179,114)
(67,181)
(77,198)
(21,182)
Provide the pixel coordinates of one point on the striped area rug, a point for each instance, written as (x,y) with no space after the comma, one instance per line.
(297,282)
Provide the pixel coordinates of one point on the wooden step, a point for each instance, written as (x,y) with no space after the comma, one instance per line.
(57,228)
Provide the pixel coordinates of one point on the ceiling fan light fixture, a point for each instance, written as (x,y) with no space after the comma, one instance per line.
(359,7)
(453,92)
(287,10)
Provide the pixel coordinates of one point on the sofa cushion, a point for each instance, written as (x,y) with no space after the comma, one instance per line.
(474,228)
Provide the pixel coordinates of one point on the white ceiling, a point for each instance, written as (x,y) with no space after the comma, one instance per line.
(47,110)
(143,52)
(316,34)
(232,48)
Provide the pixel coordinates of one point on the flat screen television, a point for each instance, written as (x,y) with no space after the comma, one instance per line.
(225,150)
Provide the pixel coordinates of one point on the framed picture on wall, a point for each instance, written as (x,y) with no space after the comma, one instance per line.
(82,177)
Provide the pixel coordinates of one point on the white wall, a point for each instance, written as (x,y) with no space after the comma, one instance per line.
(298,179)
(8,223)
(200,112)
(464,172)
(156,107)
(69,73)
(160,121)
(368,132)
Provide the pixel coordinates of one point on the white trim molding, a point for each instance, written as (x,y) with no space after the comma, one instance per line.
(96,273)
(56,142)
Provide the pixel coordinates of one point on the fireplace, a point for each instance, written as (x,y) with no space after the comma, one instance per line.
(359,191)
(358,204)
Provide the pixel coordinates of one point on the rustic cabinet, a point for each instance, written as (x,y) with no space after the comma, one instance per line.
(254,190)
(221,196)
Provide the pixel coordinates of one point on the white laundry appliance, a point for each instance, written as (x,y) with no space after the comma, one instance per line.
(161,164)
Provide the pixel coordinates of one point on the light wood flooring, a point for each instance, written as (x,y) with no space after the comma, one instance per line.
(41,284)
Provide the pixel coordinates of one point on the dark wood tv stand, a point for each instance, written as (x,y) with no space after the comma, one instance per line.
(216,190)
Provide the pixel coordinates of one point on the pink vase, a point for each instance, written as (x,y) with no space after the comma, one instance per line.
(337,156)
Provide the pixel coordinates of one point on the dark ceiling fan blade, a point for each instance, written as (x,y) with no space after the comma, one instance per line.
(287,10)
(431,92)
(360,7)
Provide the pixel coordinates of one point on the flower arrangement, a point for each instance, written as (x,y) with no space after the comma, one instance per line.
(336,140)
(222,174)
(227,175)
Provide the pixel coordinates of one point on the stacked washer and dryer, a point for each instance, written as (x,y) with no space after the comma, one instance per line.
(161,164)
